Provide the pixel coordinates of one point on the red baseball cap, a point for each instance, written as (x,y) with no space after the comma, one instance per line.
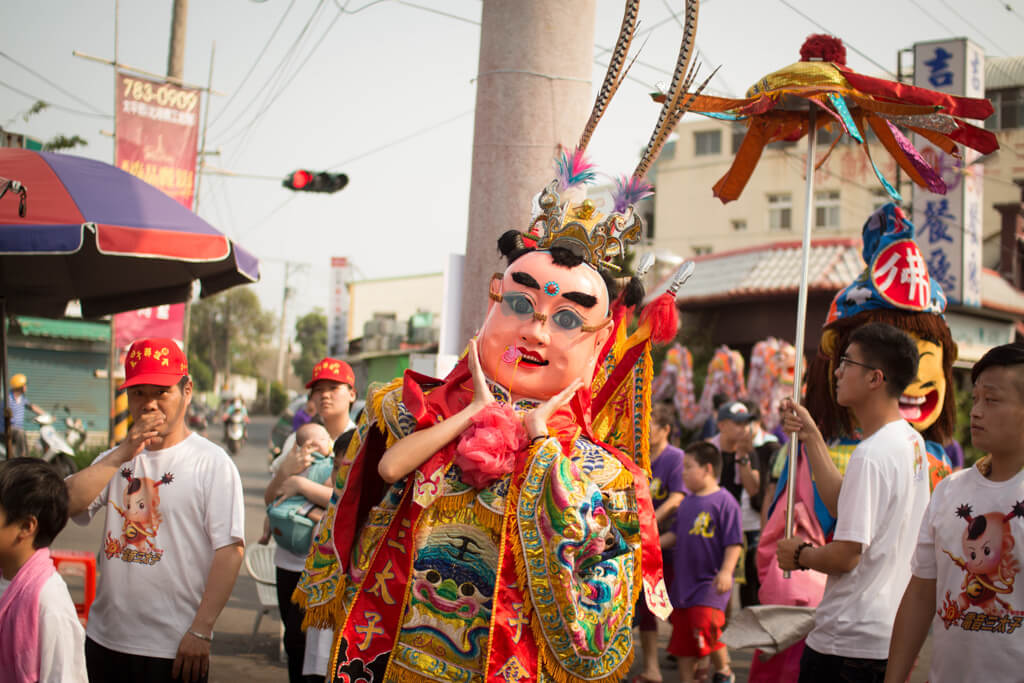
(157,360)
(334,370)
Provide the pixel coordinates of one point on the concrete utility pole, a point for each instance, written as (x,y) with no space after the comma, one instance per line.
(534,91)
(176,53)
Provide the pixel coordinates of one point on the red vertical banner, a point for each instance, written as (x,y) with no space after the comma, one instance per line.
(157,136)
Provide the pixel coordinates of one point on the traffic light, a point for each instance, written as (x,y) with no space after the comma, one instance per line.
(308,181)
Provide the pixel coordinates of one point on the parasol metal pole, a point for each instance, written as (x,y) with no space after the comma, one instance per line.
(801,317)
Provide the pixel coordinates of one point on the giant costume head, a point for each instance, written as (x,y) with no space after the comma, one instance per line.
(895,288)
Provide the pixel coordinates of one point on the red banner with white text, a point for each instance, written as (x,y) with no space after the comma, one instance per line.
(157,136)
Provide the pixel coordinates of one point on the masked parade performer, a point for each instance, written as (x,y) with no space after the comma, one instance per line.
(497,524)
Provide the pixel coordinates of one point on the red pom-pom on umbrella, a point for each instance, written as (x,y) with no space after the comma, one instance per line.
(823,47)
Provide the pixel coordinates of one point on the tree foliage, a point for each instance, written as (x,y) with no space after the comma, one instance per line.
(228,333)
(60,142)
(311,335)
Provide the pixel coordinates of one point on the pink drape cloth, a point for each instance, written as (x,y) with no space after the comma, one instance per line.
(19,619)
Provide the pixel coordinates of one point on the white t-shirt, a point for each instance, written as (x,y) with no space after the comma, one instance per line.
(881,503)
(978,631)
(318,651)
(167,512)
(61,638)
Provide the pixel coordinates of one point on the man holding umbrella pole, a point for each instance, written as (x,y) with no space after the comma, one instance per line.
(881,501)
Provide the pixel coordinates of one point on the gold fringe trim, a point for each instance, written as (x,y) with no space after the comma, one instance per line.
(449,505)
(488,517)
(623,480)
(325,616)
(376,403)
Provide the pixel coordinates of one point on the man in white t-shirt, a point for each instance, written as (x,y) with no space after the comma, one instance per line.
(881,500)
(971,546)
(174,531)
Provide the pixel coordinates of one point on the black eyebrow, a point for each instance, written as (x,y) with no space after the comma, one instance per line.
(525,279)
(585,300)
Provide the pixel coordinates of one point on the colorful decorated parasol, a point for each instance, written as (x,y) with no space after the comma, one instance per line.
(820,91)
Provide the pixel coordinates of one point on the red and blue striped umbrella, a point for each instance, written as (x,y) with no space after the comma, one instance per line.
(75,228)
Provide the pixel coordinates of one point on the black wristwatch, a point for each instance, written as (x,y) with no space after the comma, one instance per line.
(745,460)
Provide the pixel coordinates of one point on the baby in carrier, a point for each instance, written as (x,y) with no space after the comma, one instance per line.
(291,520)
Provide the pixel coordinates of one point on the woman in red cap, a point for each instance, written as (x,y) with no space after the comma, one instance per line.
(332,391)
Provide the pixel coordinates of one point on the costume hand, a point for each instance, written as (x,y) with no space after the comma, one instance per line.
(482,396)
(795,418)
(291,486)
(785,550)
(536,421)
(723,582)
(193,659)
(142,434)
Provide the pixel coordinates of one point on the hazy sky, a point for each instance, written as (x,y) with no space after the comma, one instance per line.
(361,81)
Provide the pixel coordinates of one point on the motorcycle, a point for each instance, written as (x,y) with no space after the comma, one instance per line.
(234,431)
(59,450)
(198,418)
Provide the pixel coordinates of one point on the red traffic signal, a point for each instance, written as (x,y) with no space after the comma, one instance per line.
(307,181)
(301,179)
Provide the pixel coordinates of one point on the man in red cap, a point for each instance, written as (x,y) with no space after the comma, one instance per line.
(332,391)
(174,530)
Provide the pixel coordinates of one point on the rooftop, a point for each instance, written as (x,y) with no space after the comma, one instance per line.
(1004,72)
(771,269)
(774,269)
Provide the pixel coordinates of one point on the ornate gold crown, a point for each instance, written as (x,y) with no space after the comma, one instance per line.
(599,238)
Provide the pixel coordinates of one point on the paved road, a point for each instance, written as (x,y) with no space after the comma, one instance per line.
(232,658)
(238,656)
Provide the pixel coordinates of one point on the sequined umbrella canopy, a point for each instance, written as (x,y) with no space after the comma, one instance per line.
(821,91)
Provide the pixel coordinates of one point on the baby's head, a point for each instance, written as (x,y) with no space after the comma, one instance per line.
(314,435)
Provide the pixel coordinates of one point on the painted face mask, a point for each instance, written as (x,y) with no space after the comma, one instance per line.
(545,327)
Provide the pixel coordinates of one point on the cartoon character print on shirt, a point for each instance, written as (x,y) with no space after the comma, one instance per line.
(142,519)
(990,571)
(703,525)
(659,492)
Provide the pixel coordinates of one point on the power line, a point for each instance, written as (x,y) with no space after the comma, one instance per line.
(933,18)
(55,106)
(245,78)
(975,28)
(1009,8)
(848,45)
(46,80)
(277,69)
(406,138)
(285,82)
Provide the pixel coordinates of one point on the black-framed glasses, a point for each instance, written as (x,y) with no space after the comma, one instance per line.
(846,360)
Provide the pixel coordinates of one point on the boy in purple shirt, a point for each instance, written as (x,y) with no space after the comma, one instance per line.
(707,541)
(667,491)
